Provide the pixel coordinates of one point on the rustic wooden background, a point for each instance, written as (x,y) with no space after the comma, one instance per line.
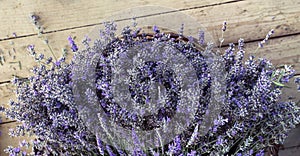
(248,19)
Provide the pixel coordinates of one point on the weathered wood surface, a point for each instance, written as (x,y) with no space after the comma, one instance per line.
(69,14)
(248,19)
(257,17)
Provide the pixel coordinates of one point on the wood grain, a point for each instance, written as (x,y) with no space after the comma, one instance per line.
(251,20)
(283,50)
(57,42)
(67,14)
(255,20)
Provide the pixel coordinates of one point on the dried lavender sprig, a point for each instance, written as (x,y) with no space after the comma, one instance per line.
(201,37)
(47,43)
(181,30)
(155,29)
(31,50)
(35,21)
(72,44)
(193,137)
(100,145)
(224,27)
(241,44)
(261,43)
(297,81)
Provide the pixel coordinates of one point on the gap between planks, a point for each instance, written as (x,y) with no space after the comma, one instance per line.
(260,7)
(125,19)
(66,15)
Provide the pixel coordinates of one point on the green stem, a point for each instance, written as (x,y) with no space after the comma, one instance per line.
(222,39)
(256,49)
(239,145)
(51,51)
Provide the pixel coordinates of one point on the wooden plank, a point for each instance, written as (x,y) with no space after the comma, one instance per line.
(243,16)
(7,89)
(251,19)
(290,152)
(6,93)
(293,141)
(57,42)
(64,14)
(284,50)
(6,140)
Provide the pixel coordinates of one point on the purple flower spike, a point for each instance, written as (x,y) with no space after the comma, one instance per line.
(17,150)
(224,26)
(260,153)
(30,47)
(192,153)
(297,80)
(14,34)
(201,37)
(72,44)
(155,29)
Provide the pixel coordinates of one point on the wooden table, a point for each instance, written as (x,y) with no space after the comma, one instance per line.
(248,19)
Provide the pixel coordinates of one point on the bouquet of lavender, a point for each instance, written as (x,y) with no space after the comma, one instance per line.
(205,103)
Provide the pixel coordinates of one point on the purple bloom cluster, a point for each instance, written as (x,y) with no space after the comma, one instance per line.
(72,44)
(201,37)
(297,81)
(224,26)
(253,117)
(260,44)
(46,108)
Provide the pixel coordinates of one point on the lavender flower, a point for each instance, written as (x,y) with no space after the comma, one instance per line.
(192,153)
(155,29)
(41,57)
(49,60)
(17,150)
(55,117)
(224,26)
(297,81)
(201,37)
(31,50)
(260,44)
(260,153)
(72,44)
(175,147)
(110,152)
(241,44)
(181,30)
(220,140)
(14,34)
